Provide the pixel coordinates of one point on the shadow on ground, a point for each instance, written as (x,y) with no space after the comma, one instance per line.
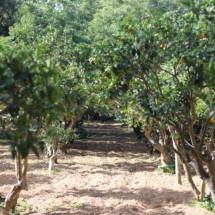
(150,202)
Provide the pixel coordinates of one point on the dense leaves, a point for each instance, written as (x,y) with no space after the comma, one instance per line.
(28,96)
(8,9)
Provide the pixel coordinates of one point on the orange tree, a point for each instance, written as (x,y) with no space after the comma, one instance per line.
(60,35)
(28,101)
(162,68)
(76,96)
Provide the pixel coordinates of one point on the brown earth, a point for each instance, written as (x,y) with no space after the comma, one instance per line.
(110,173)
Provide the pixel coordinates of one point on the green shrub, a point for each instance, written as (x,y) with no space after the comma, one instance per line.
(207,204)
(170,168)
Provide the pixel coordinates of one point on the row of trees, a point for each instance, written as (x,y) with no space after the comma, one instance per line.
(150,61)
(161,70)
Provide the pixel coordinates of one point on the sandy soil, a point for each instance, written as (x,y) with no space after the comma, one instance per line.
(110,173)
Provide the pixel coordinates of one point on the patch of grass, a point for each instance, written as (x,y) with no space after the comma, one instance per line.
(31,186)
(169,168)
(50,171)
(207,204)
(23,207)
(78,205)
(57,207)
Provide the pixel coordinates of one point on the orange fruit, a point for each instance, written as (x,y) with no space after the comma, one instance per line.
(212,120)
(202,35)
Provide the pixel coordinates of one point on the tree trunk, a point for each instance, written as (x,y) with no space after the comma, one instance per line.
(195,190)
(24,172)
(203,188)
(21,167)
(165,156)
(210,188)
(12,197)
(18,166)
(212,139)
(178,169)
(53,158)
(208,179)
(177,159)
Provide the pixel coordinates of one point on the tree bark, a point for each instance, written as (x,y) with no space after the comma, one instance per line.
(12,197)
(195,190)
(212,139)
(203,188)
(24,172)
(53,158)
(18,166)
(210,188)
(21,167)
(178,169)
(177,159)
(165,156)
(208,181)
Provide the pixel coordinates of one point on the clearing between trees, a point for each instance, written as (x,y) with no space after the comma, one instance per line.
(110,173)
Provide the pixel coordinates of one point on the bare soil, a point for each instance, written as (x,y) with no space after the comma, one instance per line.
(110,173)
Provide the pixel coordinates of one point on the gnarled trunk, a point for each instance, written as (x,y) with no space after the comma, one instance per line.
(159,144)
(12,197)
(165,156)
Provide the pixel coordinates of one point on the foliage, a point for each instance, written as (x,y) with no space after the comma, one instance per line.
(8,9)
(28,96)
(111,14)
(207,204)
(169,168)
(56,27)
(159,69)
(82,133)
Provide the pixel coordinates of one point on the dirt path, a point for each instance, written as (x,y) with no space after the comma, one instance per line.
(111,173)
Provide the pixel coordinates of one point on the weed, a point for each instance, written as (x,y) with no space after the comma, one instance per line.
(31,186)
(23,206)
(207,204)
(79,205)
(50,171)
(170,168)
(57,207)
(52,200)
